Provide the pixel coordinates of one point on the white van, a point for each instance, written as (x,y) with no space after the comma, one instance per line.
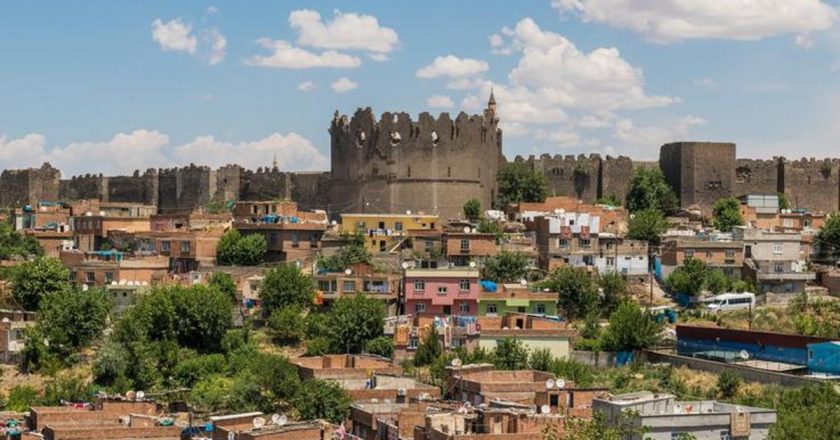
(730,301)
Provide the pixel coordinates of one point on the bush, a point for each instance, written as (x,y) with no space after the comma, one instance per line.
(224,283)
(22,397)
(321,399)
(472,210)
(287,325)
(192,370)
(541,359)
(429,349)
(211,393)
(511,354)
(631,329)
(381,346)
(317,347)
(728,384)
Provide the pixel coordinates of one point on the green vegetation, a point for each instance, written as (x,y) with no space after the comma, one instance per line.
(576,290)
(613,289)
(286,325)
(784,202)
(285,286)
(611,200)
(511,354)
(688,278)
(354,252)
(224,283)
(647,225)
(472,210)
(34,280)
(238,250)
(506,267)
(727,214)
(648,190)
(16,245)
(827,240)
(631,328)
(518,182)
(728,384)
(355,320)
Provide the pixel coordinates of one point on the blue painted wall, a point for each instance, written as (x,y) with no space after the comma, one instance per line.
(824,358)
(797,356)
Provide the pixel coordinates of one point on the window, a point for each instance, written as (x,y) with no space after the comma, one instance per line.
(413,343)
(272,239)
(295,238)
(165,246)
(398,226)
(464,285)
(609,245)
(730,253)
(419,308)
(708,254)
(779,267)
(348,286)
(688,253)
(491,308)
(788,223)
(725,435)
(442,290)
(564,243)
(465,245)
(585,242)
(419,285)
(185,247)
(777,248)
(539,309)
(464,308)
(109,276)
(90,277)
(313,240)
(381,225)
(327,285)
(610,261)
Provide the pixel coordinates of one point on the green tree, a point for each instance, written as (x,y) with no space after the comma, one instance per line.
(33,280)
(224,283)
(241,250)
(518,182)
(203,316)
(649,190)
(381,346)
(613,288)
(506,267)
(472,210)
(727,214)
(717,282)
(287,324)
(191,370)
(355,320)
(688,278)
(354,252)
(647,225)
(322,399)
(429,349)
(784,202)
(14,244)
(70,320)
(284,286)
(828,239)
(728,384)
(541,359)
(576,290)
(511,354)
(211,393)
(611,200)
(227,249)
(631,328)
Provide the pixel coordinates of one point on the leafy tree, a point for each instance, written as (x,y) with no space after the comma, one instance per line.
(717,282)
(613,288)
(647,225)
(224,283)
(472,210)
(649,190)
(354,252)
(801,412)
(321,399)
(72,319)
(511,354)
(429,348)
(541,359)
(235,249)
(381,346)
(784,202)
(69,386)
(14,244)
(597,428)
(740,286)
(518,182)
(284,286)
(728,384)
(828,239)
(317,325)
(33,280)
(287,324)
(486,226)
(576,290)
(506,267)
(203,316)
(211,393)
(193,369)
(355,320)
(688,278)
(631,329)
(727,213)
(318,346)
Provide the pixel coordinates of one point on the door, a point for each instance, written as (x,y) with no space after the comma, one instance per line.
(447,310)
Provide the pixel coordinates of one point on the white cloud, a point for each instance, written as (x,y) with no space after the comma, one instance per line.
(211,10)
(439,101)
(343,85)
(293,152)
(217,45)
(346,31)
(174,35)
(451,66)
(306,86)
(379,57)
(803,41)
(142,149)
(673,20)
(644,140)
(709,83)
(285,56)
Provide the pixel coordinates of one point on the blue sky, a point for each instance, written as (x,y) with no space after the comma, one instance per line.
(105,86)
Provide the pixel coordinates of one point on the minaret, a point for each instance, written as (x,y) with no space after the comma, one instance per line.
(490,111)
(274,162)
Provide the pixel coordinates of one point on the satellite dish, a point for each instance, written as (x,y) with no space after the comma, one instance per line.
(333,222)
(85,287)
(114,282)
(130,395)
(408,212)
(6,320)
(472,264)
(259,422)
(279,420)
(561,384)
(140,395)
(374,400)
(473,230)
(549,384)
(466,229)
(677,409)
(456,362)
(545,409)
(347,271)
(523,281)
(744,354)
(231,436)
(533,409)
(405,265)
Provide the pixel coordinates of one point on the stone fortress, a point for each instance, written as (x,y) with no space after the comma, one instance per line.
(433,165)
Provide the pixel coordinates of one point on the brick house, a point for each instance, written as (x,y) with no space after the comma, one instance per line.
(441,292)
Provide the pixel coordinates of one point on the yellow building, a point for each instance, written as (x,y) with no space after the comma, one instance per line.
(382,231)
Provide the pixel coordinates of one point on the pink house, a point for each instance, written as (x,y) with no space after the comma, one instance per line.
(441,291)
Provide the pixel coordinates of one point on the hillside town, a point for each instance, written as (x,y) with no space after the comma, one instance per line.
(564,246)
